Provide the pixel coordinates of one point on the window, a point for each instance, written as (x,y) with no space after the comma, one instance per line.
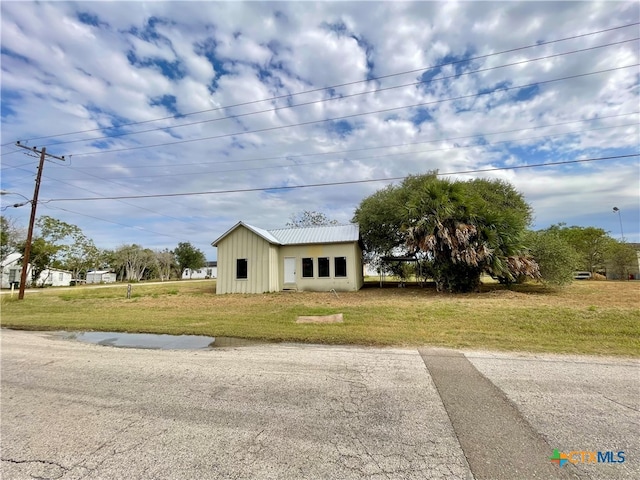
(340,264)
(323,267)
(209,272)
(60,276)
(307,267)
(241,269)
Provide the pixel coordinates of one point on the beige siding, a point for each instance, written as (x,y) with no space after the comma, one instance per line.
(352,252)
(243,243)
(274,277)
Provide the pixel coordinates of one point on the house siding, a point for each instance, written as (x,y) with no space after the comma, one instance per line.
(351,251)
(242,243)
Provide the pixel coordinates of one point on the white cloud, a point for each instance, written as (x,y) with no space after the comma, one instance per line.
(76,74)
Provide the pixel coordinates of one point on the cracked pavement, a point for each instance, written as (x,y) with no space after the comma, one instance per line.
(77,411)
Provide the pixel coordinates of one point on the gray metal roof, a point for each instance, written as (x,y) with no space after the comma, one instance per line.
(302,235)
(323,234)
(267,235)
(258,231)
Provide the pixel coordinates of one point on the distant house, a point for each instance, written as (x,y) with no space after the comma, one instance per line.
(11,270)
(254,260)
(209,271)
(54,277)
(101,276)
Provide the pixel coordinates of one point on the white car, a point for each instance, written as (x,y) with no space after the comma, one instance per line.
(582,275)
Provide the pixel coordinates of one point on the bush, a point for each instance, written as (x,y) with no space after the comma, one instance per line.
(555,257)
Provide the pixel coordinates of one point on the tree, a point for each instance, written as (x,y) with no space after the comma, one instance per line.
(310,219)
(43,256)
(556,258)
(11,236)
(590,243)
(462,228)
(63,245)
(132,261)
(621,259)
(187,256)
(80,256)
(165,261)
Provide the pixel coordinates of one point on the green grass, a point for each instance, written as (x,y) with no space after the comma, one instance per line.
(600,318)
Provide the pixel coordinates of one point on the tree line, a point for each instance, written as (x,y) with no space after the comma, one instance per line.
(455,230)
(459,230)
(57,244)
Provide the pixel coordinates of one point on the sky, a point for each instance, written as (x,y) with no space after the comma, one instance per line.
(177,120)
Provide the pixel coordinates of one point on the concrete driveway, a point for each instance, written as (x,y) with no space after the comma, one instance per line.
(71,410)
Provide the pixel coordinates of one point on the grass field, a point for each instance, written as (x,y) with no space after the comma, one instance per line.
(587,317)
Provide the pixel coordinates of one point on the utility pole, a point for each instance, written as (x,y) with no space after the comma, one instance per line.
(32,220)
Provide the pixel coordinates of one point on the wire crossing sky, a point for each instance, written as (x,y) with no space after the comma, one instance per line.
(178,119)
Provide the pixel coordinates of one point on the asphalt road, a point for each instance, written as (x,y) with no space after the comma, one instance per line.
(71,410)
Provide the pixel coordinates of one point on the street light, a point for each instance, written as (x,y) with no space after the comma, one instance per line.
(617,210)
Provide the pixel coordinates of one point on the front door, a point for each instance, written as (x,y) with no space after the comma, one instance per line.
(289,270)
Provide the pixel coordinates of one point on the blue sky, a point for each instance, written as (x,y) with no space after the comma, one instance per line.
(159,98)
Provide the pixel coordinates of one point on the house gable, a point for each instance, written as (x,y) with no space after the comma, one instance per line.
(246,261)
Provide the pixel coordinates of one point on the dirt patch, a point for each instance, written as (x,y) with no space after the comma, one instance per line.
(336,318)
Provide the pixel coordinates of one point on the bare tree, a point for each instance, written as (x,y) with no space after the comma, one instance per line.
(310,219)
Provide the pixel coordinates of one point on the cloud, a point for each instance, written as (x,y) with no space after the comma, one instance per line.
(243,66)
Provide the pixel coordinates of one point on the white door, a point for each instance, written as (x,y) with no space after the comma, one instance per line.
(289,270)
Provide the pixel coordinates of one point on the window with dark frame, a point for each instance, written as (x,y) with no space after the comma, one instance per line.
(307,267)
(340,267)
(241,269)
(323,267)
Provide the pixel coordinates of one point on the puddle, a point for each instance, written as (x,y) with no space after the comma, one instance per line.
(157,341)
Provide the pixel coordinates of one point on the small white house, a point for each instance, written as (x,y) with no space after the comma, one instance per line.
(54,277)
(101,276)
(324,258)
(209,271)
(11,268)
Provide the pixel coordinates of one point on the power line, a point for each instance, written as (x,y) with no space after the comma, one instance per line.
(342,84)
(106,180)
(463,97)
(406,144)
(342,97)
(396,154)
(328,184)
(115,223)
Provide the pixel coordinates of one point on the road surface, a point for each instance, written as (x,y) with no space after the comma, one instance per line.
(71,410)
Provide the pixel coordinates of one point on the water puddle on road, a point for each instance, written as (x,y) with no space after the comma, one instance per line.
(157,341)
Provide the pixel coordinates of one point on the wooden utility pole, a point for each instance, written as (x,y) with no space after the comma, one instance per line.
(32,220)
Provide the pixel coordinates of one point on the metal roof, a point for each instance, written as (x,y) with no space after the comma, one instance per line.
(258,231)
(302,235)
(323,234)
(267,235)
(11,258)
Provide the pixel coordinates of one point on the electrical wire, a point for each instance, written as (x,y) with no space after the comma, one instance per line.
(375,157)
(341,97)
(350,182)
(538,44)
(268,129)
(115,223)
(406,144)
(106,180)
